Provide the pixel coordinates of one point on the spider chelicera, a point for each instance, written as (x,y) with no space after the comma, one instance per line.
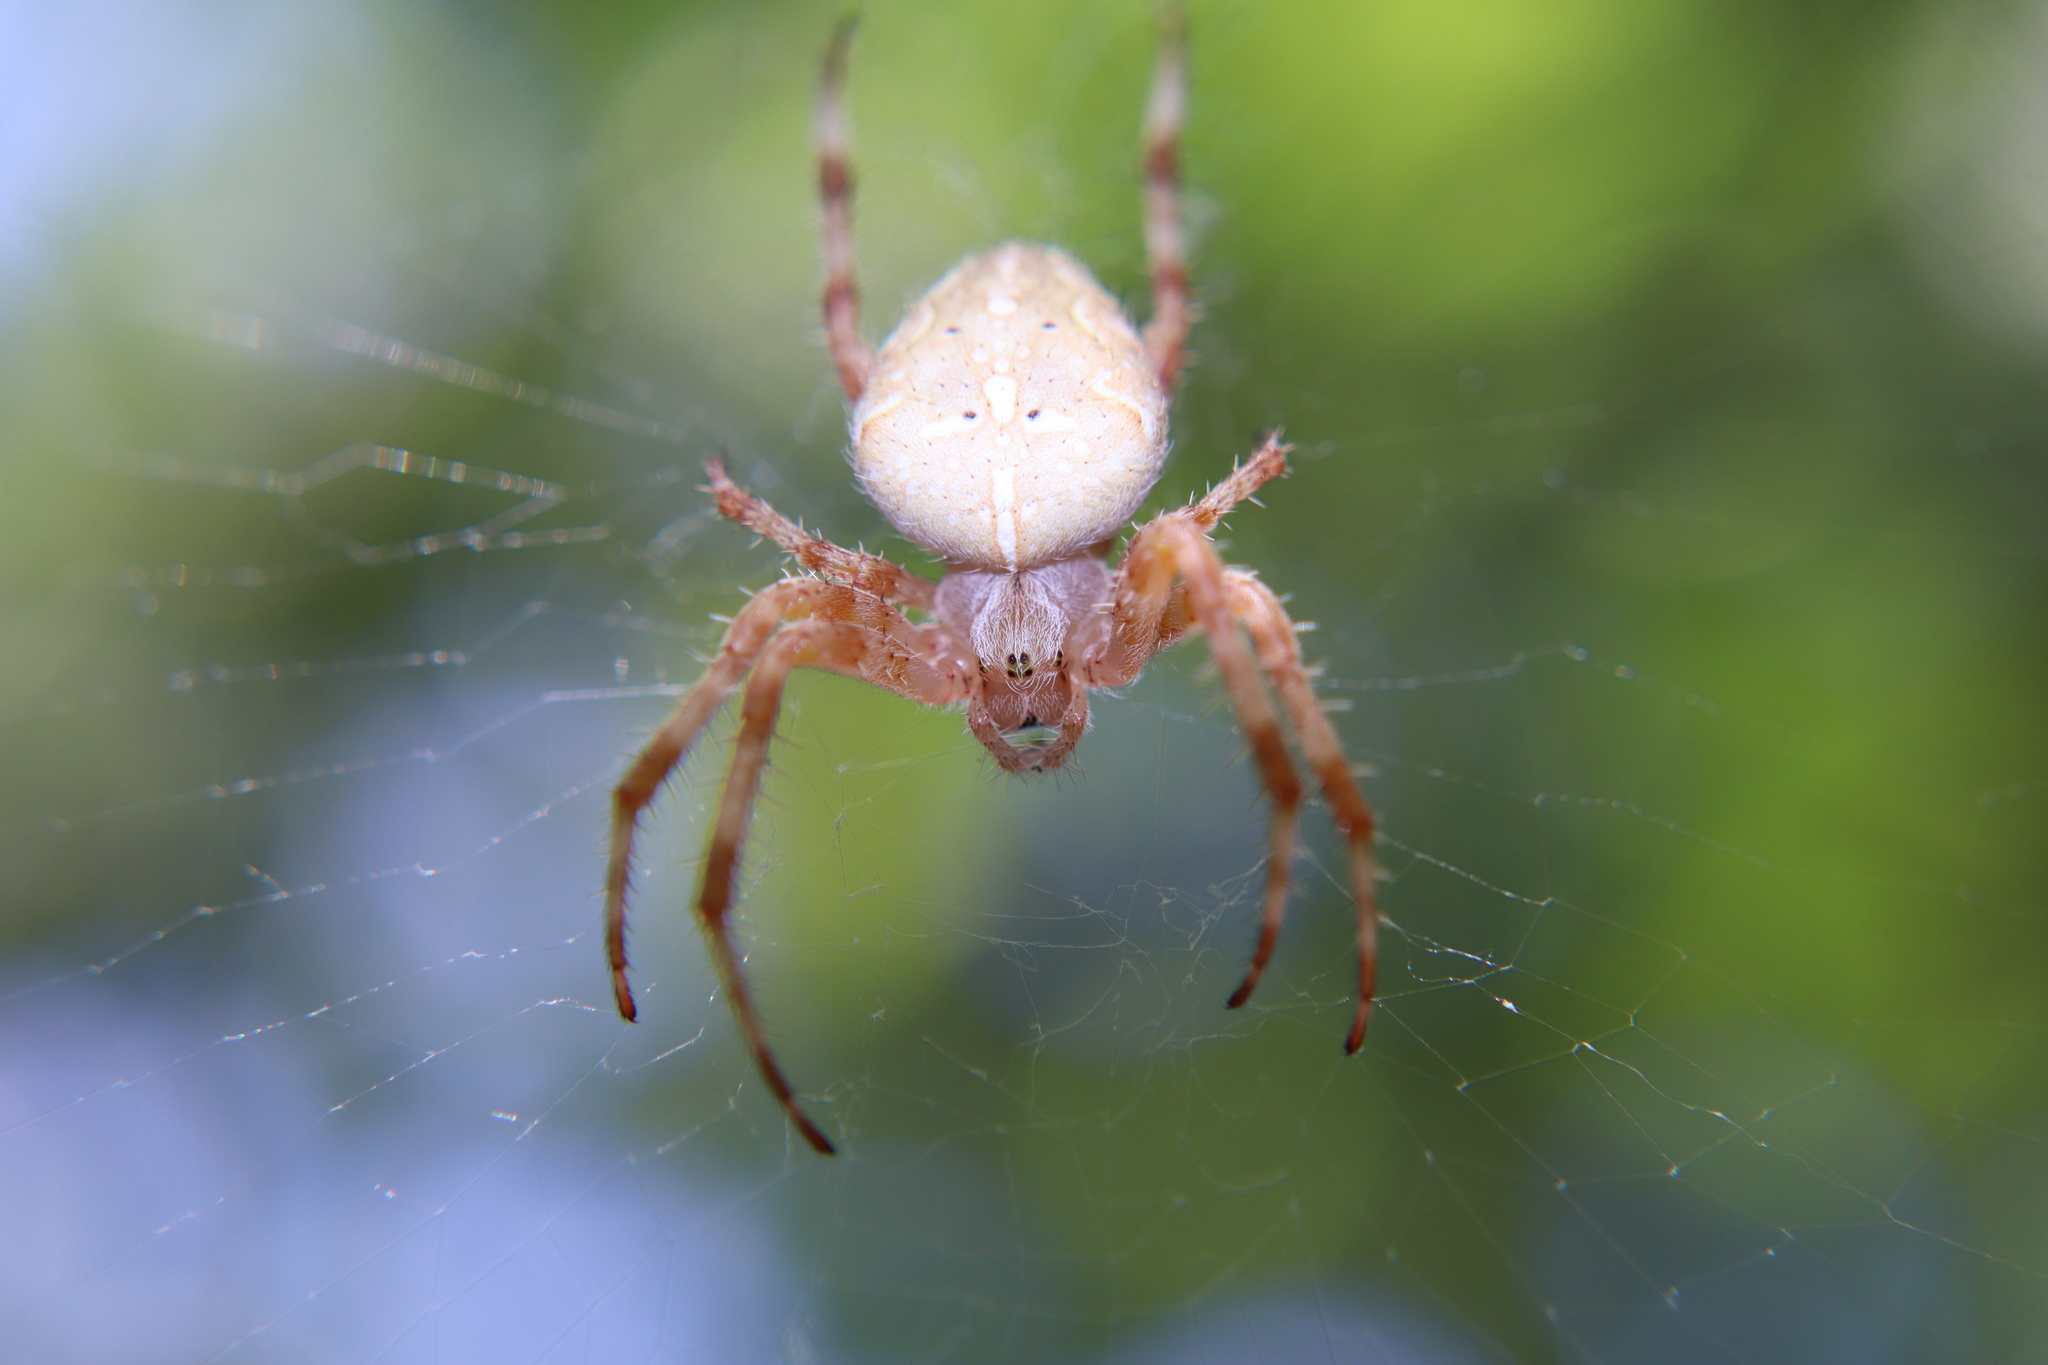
(1011,424)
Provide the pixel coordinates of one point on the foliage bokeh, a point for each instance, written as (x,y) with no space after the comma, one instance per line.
(1677,366)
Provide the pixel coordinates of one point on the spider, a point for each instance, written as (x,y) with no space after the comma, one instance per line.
(1011,424)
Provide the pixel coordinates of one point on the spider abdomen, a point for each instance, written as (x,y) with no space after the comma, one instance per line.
(1013,418)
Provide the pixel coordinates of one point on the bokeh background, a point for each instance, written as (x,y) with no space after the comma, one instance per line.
(1670,381)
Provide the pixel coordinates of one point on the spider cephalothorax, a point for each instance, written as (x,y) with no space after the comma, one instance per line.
(1011,424)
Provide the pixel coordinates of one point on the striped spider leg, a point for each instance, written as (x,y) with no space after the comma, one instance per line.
(1171,582)
(851,626)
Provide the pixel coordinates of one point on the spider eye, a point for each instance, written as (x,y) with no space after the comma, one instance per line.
(1049,326)
(968,415)
(955,331)
(1031,416)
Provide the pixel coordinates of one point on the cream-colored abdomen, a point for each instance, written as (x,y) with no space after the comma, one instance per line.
(1012,419)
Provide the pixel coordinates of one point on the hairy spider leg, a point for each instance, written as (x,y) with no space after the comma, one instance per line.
(1165,239)
(1184,548)
(822,625)
(1166,334)
(744,640)
(871,573)
(1267,463)
(790,600)
(842,648)
(1149,614)
(850,353)
(1273,635)
(1172,580)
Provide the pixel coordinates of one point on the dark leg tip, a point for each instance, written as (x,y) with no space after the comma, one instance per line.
(1239,996)
(820,1144)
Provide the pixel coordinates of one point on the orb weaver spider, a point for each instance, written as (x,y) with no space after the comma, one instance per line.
(1011,424)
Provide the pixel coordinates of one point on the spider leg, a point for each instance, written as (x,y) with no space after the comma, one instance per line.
(1152,611)
(1193,556)
(751,629)
(1148,604)
(1267,463)
(1166,334)
(842,648)
(871,573)
(1280,655)
(1171,581)
(850,353)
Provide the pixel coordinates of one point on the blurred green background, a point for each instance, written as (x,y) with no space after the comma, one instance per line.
(1668,379)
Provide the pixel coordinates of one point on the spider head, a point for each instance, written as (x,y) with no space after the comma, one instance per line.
(1024,629)
(1022,626)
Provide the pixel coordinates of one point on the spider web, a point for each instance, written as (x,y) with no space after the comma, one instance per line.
(356,538)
